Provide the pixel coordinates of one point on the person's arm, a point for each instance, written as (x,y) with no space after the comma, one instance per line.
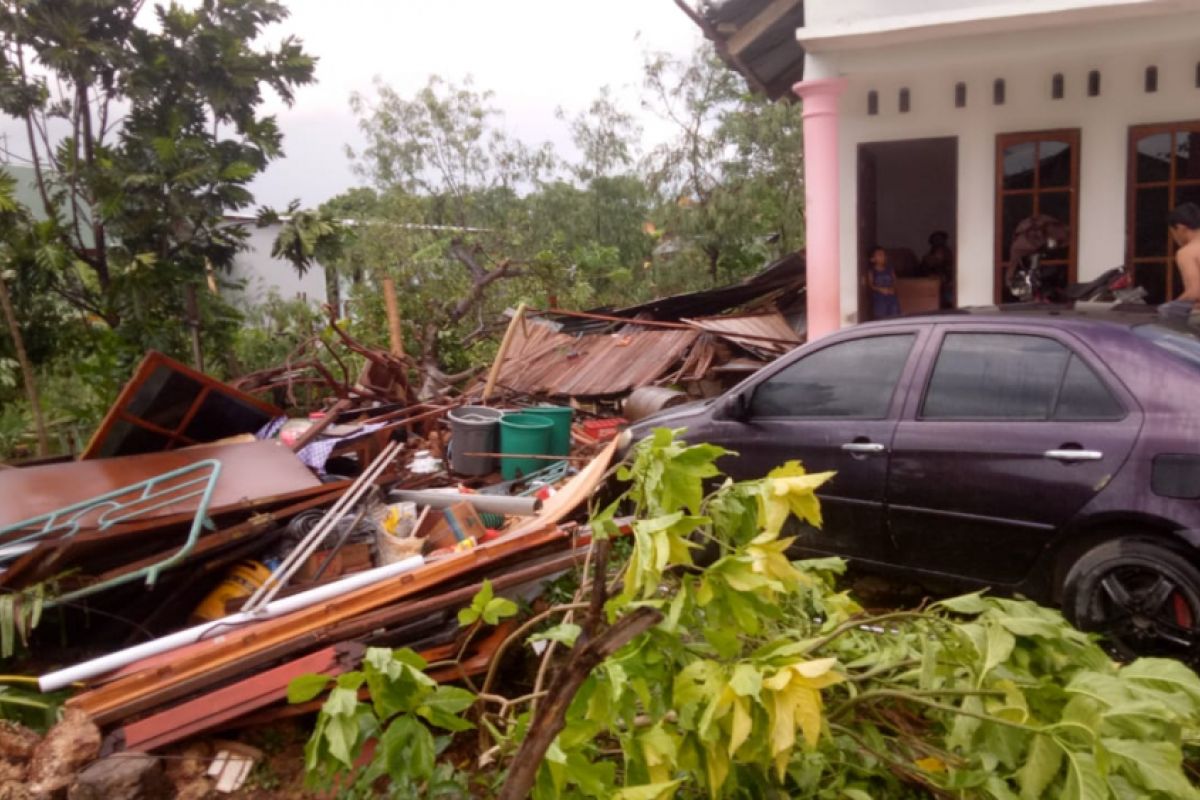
(1188,260)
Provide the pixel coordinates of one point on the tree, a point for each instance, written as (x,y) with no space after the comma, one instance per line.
(142,137)
(23,243)
(730,179)
(448,224)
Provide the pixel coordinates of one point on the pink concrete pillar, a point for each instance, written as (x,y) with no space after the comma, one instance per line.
(819,101)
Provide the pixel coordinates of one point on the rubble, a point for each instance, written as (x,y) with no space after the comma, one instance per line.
(70,745)
(131,776)
(216,540)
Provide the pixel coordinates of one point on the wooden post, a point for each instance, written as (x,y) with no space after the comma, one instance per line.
(395,332)
(502,352)
(35,406)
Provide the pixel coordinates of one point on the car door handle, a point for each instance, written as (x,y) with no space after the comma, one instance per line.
(1074,455)
(863,447)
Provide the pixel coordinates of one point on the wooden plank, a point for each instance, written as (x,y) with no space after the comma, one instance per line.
(121,696)
(211,710)
(760,24)
(249,470)
(225,650)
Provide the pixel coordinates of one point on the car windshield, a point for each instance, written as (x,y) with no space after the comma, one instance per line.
(1182,344)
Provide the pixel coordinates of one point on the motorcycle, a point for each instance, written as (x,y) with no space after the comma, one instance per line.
(1029,281)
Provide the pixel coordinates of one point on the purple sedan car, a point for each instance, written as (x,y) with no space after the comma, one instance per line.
(1051,453)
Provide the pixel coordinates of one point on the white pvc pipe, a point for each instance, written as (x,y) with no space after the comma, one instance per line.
(487,503)
(52,681)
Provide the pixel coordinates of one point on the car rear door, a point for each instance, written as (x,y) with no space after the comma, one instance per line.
(833,408)
(1016,429)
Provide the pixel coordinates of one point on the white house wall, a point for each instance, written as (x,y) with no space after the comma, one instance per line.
(1026,63)
(263,275)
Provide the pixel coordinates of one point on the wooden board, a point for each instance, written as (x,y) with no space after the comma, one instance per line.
(249,470)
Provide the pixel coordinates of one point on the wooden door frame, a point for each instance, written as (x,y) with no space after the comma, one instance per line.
(863,150)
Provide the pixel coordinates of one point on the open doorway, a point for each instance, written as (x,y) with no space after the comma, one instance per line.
(908,207)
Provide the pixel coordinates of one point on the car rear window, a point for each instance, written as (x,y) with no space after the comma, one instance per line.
(1184,345)
(1006,376)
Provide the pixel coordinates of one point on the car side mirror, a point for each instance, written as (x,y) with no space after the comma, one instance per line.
(735,407)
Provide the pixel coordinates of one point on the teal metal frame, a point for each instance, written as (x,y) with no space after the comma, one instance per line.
(123,505)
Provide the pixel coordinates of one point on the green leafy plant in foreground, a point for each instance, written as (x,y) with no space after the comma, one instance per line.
(760,679)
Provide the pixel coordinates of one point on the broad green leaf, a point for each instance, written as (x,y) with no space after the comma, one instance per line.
(306,687)
(410,657)
(649,791)
(998,647)
(442,707)
(409,748)
(1157,766)
(594,778)
(969,604)
(740,728)
(1084,780)
(341,735)
(790,490)
(1042,765)
(746,680)
(563,633)
(660,752)
(1166,675)
(497,609)
(351,680)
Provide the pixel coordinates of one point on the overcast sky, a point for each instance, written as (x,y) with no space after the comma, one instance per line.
(536,55)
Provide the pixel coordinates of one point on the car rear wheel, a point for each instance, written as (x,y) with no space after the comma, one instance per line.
(1142,597)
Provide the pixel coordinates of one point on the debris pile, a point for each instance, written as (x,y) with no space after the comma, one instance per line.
(208,546)
(598,358)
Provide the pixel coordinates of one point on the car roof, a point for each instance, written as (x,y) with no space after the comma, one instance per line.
(1057,316)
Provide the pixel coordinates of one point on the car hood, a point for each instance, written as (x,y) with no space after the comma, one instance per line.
(678,417)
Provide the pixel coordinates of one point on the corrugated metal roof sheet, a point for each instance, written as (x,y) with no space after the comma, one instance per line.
(783,279)
(756,329)
(543,362)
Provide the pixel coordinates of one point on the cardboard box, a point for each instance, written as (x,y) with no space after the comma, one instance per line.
(450,526)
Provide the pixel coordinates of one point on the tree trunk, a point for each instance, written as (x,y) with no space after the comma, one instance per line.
(14,330)
(193,313)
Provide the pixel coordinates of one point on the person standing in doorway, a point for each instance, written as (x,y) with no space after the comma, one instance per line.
(1184,224)
(939,263)
(881,279)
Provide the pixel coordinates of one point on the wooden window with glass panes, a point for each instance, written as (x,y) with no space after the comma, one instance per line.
(1037,173)
(1164,171)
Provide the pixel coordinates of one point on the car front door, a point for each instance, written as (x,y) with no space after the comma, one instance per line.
(834,408)
(1015,431)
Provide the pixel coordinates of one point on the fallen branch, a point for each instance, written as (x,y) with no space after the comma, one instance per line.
(552,713)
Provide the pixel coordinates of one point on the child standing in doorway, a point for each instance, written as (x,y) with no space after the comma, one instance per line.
(882,281)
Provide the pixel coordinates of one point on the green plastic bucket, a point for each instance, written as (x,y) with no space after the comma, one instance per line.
(560,435)
(523,434)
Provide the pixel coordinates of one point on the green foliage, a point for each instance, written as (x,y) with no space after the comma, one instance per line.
(31,708)
(484,606)
(764,680)
(20,613)
(405,703)
(274,329)
(306,236)
(730,179)
(145,133)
